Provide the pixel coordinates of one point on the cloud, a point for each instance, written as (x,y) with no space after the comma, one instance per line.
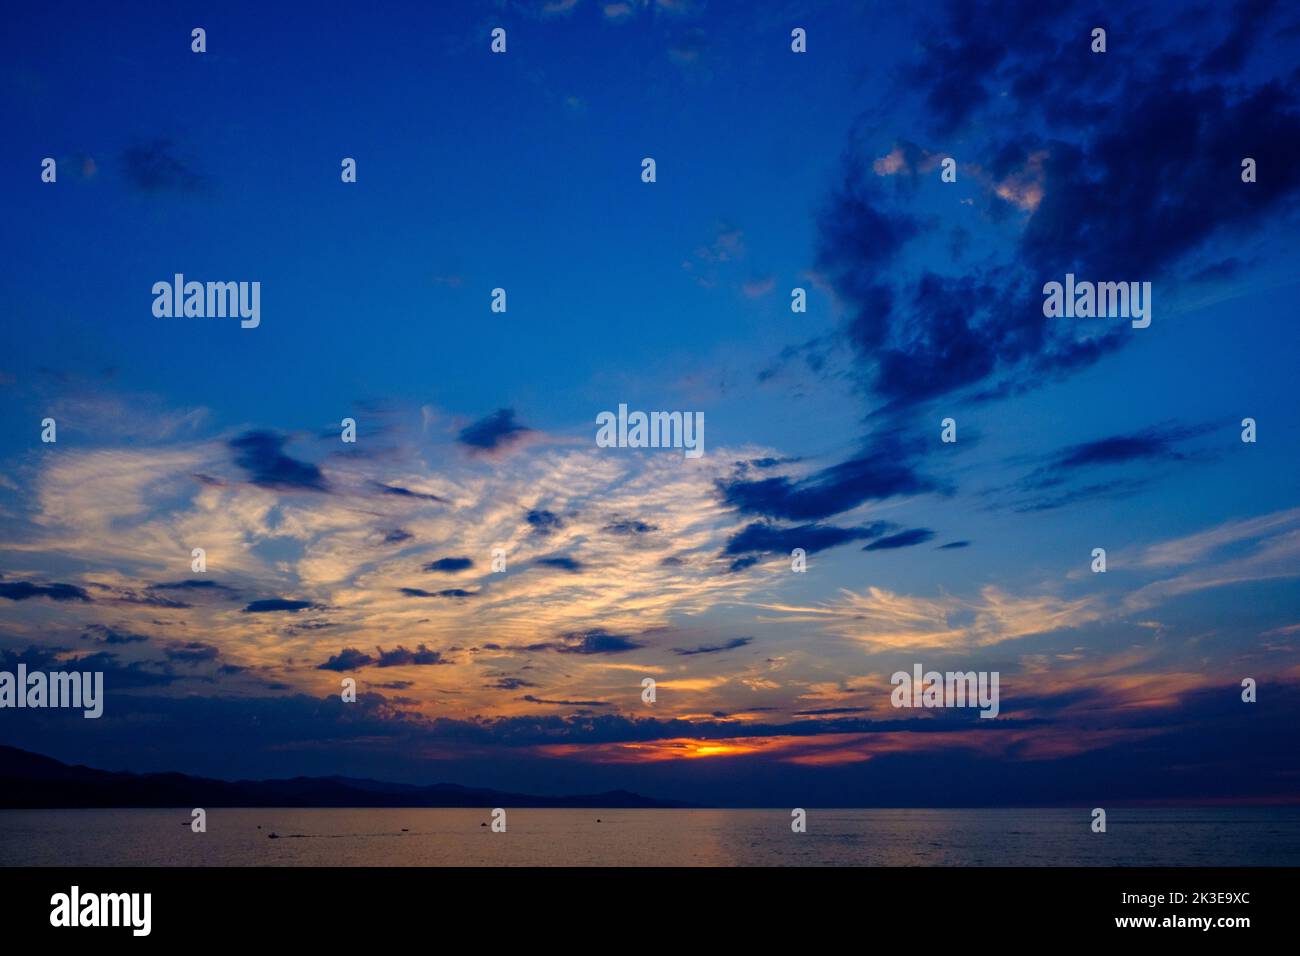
(107,635)
(1237,552)
(154,167)
(191,584)
(1150,142)
(883,619)
(714,649)
(1204,544)
(444,593)
(497,430)
(629,526)
(406,492)
(258,453)
(510,683)
(1150,444)
(449,565)
(1054,485)
(762,537)
(558,7)
(1249,19)
(561,561)
(22,590)
(688,48)
(192,652)
(401,657)
(564,703)
(348,659)
(268,605)
(543,522)
(904,539)
(882,471)
(117,676)
(597,641)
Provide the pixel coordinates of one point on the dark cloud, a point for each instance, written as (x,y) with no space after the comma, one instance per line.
(444,593)
(146,598)
(268,605)
(882,471)
(22,590)
(348,659)
(1121,170)
(765,463)
(964,51)
(401,657)
(953,545)
(1186,144)
(192,652)
(137,674)
(564,703)
(1058,483)
(714,649)
(34,658)
(1149,445)
(510,683)
(597,641)
(543,522)
(258,453)
(563,562)
(1219,271)
(306,627)
(1249,19)
(191,584)
(762,537)
(406,492)
(629,526)
(155,167)
(1117,488)
(101,634)
(904,539)
(449,565)
(497,430)
(397,536)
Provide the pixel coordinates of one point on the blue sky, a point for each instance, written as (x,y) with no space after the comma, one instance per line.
(774,170)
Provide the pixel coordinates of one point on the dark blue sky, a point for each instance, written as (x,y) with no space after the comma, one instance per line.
(775,170)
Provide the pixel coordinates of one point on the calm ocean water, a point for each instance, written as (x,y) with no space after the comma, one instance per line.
(1199,837)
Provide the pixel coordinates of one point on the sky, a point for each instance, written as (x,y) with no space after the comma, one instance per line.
(476,429)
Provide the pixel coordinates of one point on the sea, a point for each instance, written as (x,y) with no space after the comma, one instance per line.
(550,837)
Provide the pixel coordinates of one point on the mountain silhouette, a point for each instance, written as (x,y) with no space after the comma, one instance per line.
(32,781)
